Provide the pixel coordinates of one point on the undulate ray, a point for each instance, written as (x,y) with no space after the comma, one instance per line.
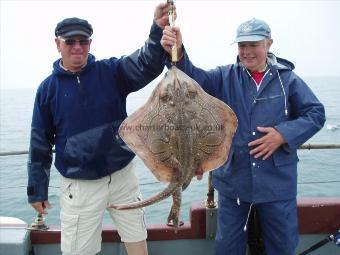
(181,130)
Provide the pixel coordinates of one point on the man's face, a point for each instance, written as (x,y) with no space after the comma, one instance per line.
(74,51)
(253,55)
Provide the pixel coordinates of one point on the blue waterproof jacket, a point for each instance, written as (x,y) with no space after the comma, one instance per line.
(80,114)
(283,101)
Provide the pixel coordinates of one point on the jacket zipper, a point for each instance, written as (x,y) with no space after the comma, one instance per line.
(81,90)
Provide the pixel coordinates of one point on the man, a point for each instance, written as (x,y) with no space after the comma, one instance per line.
(277,112)
(78,108)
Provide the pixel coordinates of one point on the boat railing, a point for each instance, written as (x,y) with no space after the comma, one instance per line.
(210,202)
(302,147)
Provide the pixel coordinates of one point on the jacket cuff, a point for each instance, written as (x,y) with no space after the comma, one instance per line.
(156,28)
(156,31)
(37,193)
(290,145)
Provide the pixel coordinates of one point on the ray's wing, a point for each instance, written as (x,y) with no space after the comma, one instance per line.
(136,131)
(214,126)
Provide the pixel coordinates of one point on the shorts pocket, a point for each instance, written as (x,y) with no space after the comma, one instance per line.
(65,187)
(69,231)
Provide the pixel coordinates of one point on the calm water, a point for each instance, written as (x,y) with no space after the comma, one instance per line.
(319,170)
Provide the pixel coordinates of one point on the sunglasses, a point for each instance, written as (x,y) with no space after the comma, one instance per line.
(72,42)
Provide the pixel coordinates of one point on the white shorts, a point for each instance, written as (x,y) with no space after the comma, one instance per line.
(83,203)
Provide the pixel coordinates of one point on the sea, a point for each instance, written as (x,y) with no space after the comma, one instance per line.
(318,174)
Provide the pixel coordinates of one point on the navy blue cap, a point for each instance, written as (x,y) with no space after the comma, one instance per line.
(72,27)
(252,31)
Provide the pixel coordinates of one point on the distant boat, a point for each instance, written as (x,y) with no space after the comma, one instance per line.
(333,127)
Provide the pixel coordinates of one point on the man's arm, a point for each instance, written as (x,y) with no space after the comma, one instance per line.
(307,118)
(40,155)
(145,64)
(308,114)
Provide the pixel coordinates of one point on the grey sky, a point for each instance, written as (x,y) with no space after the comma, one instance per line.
(304,32)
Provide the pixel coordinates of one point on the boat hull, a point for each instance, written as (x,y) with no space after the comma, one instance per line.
(318,218)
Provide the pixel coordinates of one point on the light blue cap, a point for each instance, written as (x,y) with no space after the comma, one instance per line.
(252,31)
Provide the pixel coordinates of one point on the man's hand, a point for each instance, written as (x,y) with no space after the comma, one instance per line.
(41,206)
(172,36)
(161,14)
(266,145)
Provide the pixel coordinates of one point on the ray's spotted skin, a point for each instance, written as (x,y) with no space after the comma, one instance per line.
(181,131)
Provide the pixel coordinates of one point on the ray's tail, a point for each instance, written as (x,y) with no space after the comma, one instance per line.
(168,191)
